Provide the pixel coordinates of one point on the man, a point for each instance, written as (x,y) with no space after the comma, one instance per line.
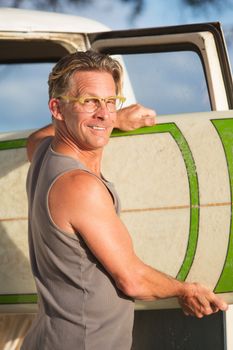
(82,257)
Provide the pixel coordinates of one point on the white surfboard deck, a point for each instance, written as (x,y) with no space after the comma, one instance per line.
(175,181)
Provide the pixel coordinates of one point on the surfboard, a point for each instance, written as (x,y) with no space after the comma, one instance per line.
(175,181)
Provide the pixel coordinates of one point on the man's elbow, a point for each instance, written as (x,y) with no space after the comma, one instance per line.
(30,145)
(135,287)
(33,142)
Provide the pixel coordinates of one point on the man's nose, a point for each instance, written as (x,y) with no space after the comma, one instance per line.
(102,111)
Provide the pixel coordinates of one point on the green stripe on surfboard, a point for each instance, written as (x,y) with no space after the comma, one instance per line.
(224,128)
(12,144)
(18,299)
(193,186)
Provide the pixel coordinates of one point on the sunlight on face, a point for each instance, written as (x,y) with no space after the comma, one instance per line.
(89,130)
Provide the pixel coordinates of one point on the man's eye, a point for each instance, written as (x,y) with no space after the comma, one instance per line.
(111,101)
(90,101)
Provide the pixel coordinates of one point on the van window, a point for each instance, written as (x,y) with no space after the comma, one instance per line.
(24,95)
(169,82)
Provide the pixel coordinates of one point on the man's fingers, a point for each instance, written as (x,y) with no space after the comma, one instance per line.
(148,121)
(135,116)
(147,112)
(214,308)
(212,301)
(218,303)
(200,301)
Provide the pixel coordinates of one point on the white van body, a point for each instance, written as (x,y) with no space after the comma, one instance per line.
(180,218)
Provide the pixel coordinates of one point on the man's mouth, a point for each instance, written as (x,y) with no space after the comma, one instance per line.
(96,127)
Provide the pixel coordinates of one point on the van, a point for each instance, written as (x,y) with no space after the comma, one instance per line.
(175,179)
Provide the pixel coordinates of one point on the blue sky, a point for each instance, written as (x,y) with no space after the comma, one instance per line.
(116,14)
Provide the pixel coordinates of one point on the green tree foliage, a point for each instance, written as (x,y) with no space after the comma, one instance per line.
(201,3)
(215,4)
(59,4)
(50,4)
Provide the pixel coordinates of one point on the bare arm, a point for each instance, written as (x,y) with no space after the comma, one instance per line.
(135,116)
(35,138)
(110,242)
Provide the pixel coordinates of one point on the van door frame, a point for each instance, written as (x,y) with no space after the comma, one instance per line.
(206,39)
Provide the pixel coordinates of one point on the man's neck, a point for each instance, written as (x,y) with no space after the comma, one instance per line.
(90,158)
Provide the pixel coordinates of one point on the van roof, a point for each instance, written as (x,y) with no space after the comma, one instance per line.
(21,20)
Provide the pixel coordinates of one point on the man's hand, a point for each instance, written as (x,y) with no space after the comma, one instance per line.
(199,301)
(135,116)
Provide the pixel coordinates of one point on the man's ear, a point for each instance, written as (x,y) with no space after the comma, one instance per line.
(55,109)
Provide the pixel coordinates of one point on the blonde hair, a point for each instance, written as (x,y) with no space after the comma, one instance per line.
(62,72)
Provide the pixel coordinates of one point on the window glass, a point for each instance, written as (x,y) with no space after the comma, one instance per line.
(169,82)
(230,52)
(24,96)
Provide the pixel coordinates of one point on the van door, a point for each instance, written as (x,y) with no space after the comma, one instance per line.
(159,54)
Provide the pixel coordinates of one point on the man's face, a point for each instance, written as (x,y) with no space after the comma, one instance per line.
(89,130)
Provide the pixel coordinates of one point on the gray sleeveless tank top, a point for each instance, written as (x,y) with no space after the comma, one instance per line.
(80,306)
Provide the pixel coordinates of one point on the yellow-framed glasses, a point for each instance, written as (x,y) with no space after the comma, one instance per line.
(90,104)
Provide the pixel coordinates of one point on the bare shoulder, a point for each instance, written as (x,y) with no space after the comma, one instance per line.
(75,196)
(81,182)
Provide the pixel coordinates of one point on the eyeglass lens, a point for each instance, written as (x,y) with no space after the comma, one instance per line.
(92,104)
